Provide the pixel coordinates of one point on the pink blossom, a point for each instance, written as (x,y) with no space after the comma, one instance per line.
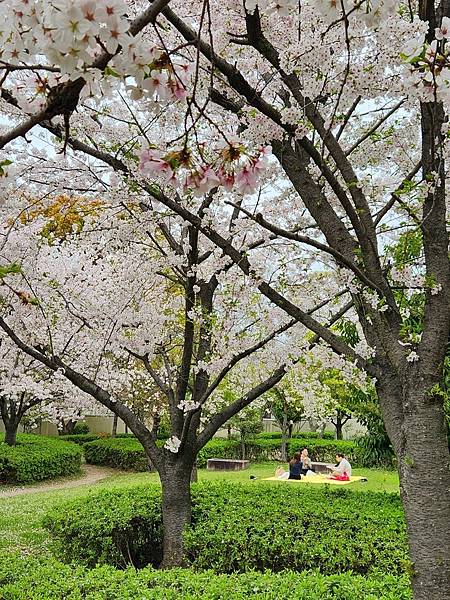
(152,162)
(115,33)
(179,92)
(110,8)
(247,180)
(444,30)
(202,181)
(157,83)
(430,52)
(227,180)
(261,162)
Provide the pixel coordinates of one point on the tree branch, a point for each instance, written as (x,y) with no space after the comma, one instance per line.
(64,97)
(303,239)
(54,363)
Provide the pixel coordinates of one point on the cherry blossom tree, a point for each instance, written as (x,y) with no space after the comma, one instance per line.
(183,101)
(29,391)
(138,311)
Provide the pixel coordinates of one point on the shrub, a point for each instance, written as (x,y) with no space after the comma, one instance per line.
(276,435)
(127,452)
(262,449)
(80,427)
(376,449)
(240,527)
(218,448)
(322,450)
(38,579)
(82,438)
(37,457)
(124,453)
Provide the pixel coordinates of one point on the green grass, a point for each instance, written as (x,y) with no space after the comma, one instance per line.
(20,516)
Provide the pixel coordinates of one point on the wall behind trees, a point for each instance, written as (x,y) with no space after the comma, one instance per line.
(96,425)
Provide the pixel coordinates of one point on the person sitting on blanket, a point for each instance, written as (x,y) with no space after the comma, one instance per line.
(306,462)
(295,466)
(343,470)
(280,473)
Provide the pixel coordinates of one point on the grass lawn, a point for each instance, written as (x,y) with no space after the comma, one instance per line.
(20,516)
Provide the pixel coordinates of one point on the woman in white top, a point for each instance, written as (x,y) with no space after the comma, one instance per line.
(343,467)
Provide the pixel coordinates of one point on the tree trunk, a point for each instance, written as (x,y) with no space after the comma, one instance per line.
(284,437)
(176,512)
(424,468)
(11,433)
(322,430)
(243,449)
(338,424)
(114,426)
(67,427)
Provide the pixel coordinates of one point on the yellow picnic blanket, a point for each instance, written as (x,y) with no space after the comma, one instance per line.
(318,479)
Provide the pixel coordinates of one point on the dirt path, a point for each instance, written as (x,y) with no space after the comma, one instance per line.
(91,474)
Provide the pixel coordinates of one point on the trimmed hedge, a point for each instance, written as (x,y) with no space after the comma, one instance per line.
(128,454)
(237,528)
(37,579)
(81,428)
(124,453)
(84,438)
(276,435)
(266,449)
(36,457)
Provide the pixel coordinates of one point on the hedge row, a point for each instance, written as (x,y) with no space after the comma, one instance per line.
(120,453)
(276,435)
(237,528)
(48,579)
(36,457)
(260,450)
(84,438)
(128,454)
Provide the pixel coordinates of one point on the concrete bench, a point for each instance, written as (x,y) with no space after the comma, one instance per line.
(320,467)
(226,464)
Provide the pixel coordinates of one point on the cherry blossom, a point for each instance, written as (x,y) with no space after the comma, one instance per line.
(173,444)
(443,32)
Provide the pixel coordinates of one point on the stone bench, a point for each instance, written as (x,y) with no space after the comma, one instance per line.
(226,464)
(320,467)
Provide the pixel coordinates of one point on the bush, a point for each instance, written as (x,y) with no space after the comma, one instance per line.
(80,427)
(38,579)
(37,457)
(240,527)
(325,450)
(376,449)
(82,438)
(218,448)
(263,449)
(124,453)
(276,435)
(127,452)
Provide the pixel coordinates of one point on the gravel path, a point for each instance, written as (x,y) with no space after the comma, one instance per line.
(91,474)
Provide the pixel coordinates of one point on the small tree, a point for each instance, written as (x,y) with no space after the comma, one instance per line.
(248,422)
(287,409)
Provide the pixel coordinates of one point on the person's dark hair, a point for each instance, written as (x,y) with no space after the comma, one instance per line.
(296,458)
(340,454)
